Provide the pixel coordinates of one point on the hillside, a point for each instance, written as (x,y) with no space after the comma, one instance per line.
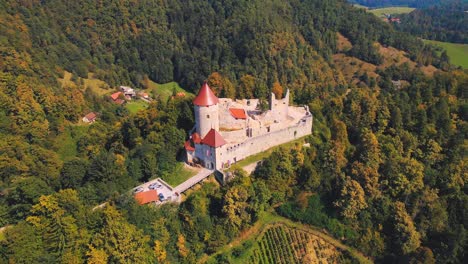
(383,172)
(409,3)
(445,22)
(458,53)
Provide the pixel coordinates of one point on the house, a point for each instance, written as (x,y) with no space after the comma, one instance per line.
(128,91)
(116,98)
(90,118)
(150,196)
(227,131)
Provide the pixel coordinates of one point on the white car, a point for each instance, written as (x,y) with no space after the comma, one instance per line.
(155,185)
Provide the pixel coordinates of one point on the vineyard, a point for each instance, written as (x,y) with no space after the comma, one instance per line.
(282,244)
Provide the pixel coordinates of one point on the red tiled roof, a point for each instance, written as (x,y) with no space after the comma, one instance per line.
(188,146)
(205,96)
(147,197)
(116,95)
(238,113)
(119,101)
(91,116)
(213,139)
(196,138)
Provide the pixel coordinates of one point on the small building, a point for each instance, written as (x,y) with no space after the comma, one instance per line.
(90,118)
(147,197)
(144,95)
(116,98)
(128,91)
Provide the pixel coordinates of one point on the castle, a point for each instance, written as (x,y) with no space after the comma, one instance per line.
(227,131)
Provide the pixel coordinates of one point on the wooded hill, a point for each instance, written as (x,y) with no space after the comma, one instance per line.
(444,22)
(386,160)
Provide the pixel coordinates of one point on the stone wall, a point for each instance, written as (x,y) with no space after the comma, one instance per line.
(226,156)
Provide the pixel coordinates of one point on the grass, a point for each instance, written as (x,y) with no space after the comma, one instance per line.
(391,10)
(165,90)
(179,175)
(136,105)
(97,86)
(262,155)
(66,141)
(458,53)
(267,220)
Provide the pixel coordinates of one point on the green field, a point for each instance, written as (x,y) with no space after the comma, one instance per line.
(458,53)
(66,142)
(165,90)
(390,10)
(136,105)
(179,175)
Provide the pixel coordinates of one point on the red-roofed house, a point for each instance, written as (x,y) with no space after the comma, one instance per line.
(116,98)
(238,113)
(147,197)
(90,118)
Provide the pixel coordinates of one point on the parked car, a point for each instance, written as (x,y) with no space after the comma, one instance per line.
(161,197)
(155,185)
(138,189)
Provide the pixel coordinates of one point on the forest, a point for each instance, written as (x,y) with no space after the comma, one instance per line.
(445,22)
(409,3)
(385,171)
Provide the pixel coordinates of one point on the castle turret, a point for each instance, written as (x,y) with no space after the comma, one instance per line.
(206,111)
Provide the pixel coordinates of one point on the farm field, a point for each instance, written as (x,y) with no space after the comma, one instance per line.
(390,10)
(458,53)
(275,239)
(283,244)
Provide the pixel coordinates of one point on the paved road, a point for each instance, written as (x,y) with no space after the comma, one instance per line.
(201,175)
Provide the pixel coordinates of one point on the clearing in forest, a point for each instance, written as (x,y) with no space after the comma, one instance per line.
(380,12)
(458,53)
(275,239)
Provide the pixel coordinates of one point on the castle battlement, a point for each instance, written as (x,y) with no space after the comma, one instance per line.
(227,131)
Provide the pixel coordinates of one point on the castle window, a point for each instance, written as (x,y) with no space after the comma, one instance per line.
(248,102)
(207,116)
(268,129)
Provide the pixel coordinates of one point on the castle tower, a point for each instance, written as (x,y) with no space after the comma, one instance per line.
(206,111)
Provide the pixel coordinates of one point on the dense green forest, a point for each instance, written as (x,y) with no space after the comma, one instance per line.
(386,169)
(409,3)
(445,22)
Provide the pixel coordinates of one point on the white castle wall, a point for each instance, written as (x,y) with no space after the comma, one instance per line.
(232,154)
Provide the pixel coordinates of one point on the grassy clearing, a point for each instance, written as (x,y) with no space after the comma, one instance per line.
(291,238)
(165,90)
(391,10)
(458,53)
(66,142)
(97,86)
(179,175)
(136,105)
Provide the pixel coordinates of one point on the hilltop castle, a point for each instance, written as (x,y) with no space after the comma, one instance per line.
(227,131)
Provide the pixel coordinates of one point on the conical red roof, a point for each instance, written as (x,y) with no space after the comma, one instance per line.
(205,96)
(213,139)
